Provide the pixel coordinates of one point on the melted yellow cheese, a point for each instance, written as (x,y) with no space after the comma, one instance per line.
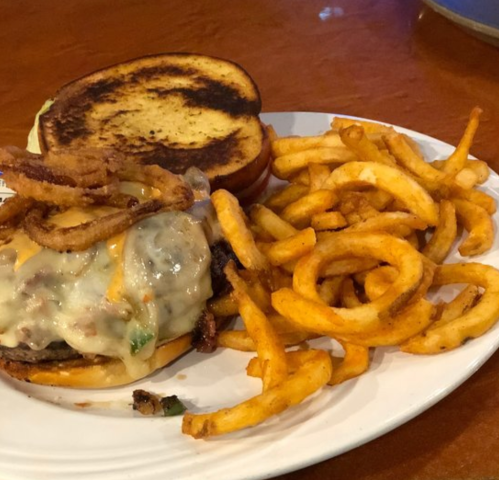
(24,247)
(116,287)
(140,191)
(118,299)
(77,215)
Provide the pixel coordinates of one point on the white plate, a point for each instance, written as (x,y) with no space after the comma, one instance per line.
(44,435)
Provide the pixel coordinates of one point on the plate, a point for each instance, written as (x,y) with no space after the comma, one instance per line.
(56,434)
(478,17)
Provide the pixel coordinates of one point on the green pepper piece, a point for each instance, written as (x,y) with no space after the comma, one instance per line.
(172,406)
(139,339)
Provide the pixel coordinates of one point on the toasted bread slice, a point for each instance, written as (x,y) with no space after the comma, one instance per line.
(175,110)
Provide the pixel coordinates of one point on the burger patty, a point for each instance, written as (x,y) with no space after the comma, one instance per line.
(221,254)
(56,351)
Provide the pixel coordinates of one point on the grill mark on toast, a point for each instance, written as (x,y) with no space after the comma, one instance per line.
(213,95)
(70,127)
(92,109)
(101,89)
(147,73)
(73,123)
(219,151)
(117,114)
(209,94)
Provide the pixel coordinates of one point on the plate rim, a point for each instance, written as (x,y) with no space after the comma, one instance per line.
(403,418)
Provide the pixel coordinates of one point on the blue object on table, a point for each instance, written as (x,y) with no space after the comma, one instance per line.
(479,17)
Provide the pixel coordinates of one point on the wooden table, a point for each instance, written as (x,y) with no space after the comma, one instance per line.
(391,60)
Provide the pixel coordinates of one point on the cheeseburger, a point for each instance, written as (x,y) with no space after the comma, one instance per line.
(107,258)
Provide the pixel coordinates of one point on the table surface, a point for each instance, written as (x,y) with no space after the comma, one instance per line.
(390,60)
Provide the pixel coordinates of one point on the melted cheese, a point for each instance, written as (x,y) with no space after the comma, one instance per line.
(140,191)
(120,298)
(24,247)
(77,215)
(116,288)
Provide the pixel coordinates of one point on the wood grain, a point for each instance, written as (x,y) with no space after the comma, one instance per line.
(391,60)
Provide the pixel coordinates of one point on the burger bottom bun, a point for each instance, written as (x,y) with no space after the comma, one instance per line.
(99,372)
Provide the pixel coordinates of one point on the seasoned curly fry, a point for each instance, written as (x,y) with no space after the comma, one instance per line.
(390,222)
(291,248)
(409,322)
(355,138)
(446,335)
(294,359)
(240,339)
(311,376)
(269,347)
(354,363)
(406,157)
(479,225)
(457,161)
(300,212)
(285,166)
(362,284)
(462,303)
(444,235)
(389,179)
(271,222)
(287,195)
(234,226)
(328,221)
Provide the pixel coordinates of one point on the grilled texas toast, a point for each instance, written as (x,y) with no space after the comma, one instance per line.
(175,110)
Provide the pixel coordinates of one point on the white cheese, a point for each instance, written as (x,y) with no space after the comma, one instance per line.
(63,296)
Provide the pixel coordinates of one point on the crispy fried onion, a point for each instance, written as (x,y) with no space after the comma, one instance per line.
(94,167)
(11,214)
(6,232)
(31,176)
(82,178)
(12,208)
(83,236)
(87,177)
(54,194)
(87,168)
(174,191)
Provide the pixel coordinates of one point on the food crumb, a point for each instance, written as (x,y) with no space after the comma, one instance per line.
(181,376)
